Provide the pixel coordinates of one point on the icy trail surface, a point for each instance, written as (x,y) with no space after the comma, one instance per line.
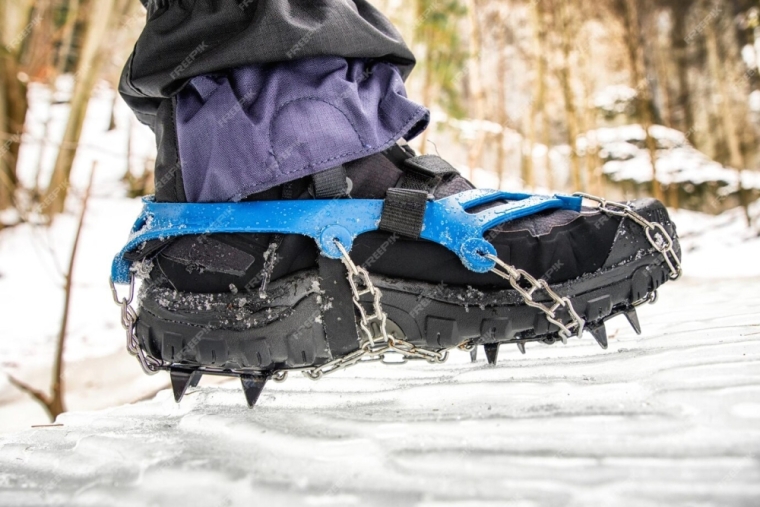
(671,417)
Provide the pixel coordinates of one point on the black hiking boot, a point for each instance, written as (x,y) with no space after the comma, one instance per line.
(258,305)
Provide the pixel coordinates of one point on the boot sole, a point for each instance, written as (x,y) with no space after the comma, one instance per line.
(241,334)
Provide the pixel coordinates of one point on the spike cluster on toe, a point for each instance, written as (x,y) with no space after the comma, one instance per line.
(597,330)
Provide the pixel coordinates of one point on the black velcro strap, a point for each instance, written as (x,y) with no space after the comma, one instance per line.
(338,317)
(430,165)
(404,211)
(330,184)
(425,172)
(414,181)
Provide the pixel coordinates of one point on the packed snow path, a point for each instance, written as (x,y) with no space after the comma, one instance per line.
(671,417)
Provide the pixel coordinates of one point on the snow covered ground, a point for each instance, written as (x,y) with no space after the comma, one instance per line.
(666,418)
(669,417)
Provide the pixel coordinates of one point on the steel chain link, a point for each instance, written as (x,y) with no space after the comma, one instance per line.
(656,234)
(372,346)
(151,365)
(516,276)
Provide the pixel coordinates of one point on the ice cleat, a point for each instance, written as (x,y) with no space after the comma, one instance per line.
(415,263)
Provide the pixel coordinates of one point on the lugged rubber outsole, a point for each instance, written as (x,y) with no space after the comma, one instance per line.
(242,333)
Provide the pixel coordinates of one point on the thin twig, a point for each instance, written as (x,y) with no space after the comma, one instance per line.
(58,382)
(54,403)
(31,391)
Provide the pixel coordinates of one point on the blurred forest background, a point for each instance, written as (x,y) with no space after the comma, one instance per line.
(549,94)
(623,98)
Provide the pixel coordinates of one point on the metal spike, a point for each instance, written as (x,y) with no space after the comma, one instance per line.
(181,379)
(195,378)
(521,346)
(474,354)
(252,387)
(600,335)
(633,319)
(492,352)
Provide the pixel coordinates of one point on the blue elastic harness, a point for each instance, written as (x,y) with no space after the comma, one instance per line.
(446,222)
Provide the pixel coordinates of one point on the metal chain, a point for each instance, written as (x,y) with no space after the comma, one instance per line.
(656,234)
(151,365)
(372,346)
(519,278)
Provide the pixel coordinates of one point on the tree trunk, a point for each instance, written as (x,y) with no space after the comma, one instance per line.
(90,62)
(501,99)
(527,168)
(528,162)
(67,35)
(8,142)
(681,58)
(476,85)
(648,49)
(718,75)
(538,104)
(565,77)
(13,102)
(540,25)
(13,109)
(661,67)
(591,155)
(644,108)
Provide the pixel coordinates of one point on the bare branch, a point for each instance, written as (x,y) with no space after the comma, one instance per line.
(31,391)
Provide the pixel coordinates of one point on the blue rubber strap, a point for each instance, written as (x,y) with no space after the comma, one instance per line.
(447,222)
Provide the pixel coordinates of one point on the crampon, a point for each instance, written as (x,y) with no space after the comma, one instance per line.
(332,282)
